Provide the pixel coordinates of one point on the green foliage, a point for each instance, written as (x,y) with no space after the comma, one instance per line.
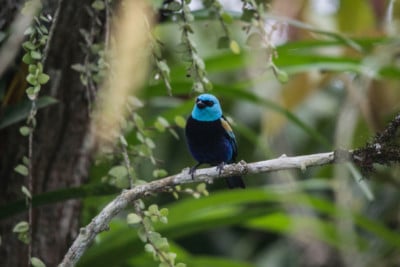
(155,243)
(21,169)
(98,5)
(187,47)
(38,36)
(27,193)
(22,231)
(36,262)
(252,209)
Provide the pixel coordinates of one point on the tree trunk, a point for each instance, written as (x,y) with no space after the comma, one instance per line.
(60,157)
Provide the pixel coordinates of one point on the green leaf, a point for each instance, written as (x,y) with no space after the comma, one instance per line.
(43,40)
(36,262)
(189,18)
(98,5)
(142,234)
(28,45)
(226,17)
(133,218)
(24,237)
(202,189)
(123,141)
(223,42)
(180,121)
(27,59)
(21,227)
(164,212)
(140,137)
(207,84)
(174,133)
(159,126)
(36,55)
(164,68)
(78,67)
(31,79)
(140,203)
(145,151)
(159,173)
(138,121)
(25,160)
(118,171)
(173,6)
(159,242)
(44,18)
(248,15)
(199,62)
(32,68)
(163,122)
(281,75)
(149,248)
(153,209)
(150,143)
(24,130)
(32,92)
(43,78)
(43,29)
(234,46)
(26,192)
(121,182)
(29,30)
(254,40)
(21,169)
(164,219)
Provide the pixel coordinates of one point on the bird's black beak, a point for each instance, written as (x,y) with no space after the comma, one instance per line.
(200,104)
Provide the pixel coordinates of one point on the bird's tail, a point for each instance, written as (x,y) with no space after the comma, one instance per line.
(235,182)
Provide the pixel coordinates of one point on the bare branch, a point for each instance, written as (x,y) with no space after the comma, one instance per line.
(101,221)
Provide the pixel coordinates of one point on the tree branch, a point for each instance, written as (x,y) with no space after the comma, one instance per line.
(101,221)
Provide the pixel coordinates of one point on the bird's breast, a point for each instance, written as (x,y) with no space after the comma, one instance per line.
(207,141)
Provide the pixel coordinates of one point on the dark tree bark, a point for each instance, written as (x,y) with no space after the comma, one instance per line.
(60,157)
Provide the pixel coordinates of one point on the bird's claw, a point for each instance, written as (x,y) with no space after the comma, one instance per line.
(193,170)
(220,167)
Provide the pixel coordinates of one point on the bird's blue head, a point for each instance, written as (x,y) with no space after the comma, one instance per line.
(207,108)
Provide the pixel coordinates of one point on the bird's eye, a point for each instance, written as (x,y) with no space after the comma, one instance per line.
(208,103)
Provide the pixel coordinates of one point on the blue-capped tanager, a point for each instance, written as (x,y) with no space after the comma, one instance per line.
(210,137)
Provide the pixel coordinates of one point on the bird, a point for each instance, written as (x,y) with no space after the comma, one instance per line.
(210,138)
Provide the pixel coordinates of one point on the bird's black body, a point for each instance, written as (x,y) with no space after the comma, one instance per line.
(210,139)
(209,142)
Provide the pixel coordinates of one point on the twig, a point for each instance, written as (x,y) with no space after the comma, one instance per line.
(30,188)
(101,221)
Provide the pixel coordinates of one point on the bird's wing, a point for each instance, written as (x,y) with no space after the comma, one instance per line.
(230,135)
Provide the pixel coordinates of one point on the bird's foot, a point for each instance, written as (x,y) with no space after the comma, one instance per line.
(220,167)
(193,170)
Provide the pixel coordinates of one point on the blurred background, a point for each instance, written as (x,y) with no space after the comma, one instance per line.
(293,78)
